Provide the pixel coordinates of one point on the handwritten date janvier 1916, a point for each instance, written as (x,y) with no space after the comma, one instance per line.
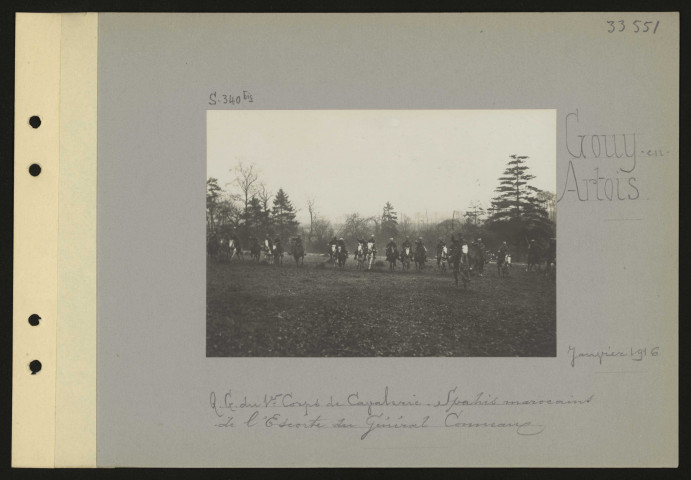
(635,354)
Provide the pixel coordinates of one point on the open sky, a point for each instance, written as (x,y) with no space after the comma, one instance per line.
(425,162)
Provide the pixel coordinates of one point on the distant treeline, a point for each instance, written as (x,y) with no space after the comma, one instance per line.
(520,212)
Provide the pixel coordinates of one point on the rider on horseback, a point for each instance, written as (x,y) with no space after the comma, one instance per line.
(392,252)
(440,249)
(372,246)
(341,243)
(406,243)
(551,253)
(503,251)
(360,248)
(333,241)
(533,252)
(296,243)
(457,248)
(420,251)
(236,242)
(501,256)
(481,255)
(268,244)
(392,245)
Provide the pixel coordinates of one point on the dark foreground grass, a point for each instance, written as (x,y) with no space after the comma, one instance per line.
(317,311)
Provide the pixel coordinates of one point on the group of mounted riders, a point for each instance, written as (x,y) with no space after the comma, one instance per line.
(462,257)
(459,255)
(366,252)
(227,247)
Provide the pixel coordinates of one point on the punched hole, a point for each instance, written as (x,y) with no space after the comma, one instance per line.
(35,121)
(34,320)
(35,169)
(35,367)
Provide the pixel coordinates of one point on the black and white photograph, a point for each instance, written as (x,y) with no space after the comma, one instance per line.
(381,233)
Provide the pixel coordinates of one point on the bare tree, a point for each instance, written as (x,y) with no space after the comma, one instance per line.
(404,225)
(264,195)
(245,178)
(322,230)
(548,200)
(312,212)
(355,226)
(475,211)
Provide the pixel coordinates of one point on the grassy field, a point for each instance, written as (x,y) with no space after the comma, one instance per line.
(318,311)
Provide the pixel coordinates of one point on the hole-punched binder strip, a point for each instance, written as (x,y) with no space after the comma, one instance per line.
(37,93)
(54,318)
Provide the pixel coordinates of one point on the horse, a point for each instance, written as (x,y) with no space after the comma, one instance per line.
(551,258)
(268,252)
(420,257)
(235,251)
(371,254)
(503,264)
(406,255)
(391,256)
(277,254)
(443,258)
(459,260)
(298,252)
(341,256)
(332,252)
(224,250)
(475,258)
(360,256)
(550,269)
(212,247)
(255,252)
(533,258)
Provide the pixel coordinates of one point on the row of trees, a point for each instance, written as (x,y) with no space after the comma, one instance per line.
(519,212)
(251,210)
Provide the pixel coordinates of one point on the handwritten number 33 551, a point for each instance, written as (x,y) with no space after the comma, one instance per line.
(638,26)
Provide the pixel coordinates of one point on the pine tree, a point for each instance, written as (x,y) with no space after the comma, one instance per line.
(258,220)
(389,221)
(283,214)
(517,211)
(213,196)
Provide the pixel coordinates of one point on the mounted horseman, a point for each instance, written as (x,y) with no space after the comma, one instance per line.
(480,254)
(533,255)
(442,255)
(391,253)
(298,251)
(406,254)
(371,251)
(341,253)
(332,248)
(458,256)
(212,246)
(551,256)
(224,249)
(268,248)
(502,265)
(255,248)
(236,247)
(277,251)
(420,254)
(360,254)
